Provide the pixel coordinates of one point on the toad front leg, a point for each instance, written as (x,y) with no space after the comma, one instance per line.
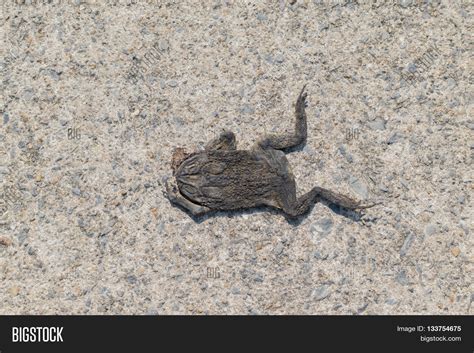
(298,137)
(226,141)
(175,197)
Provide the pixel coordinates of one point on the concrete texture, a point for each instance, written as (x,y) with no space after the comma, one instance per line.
(96,96)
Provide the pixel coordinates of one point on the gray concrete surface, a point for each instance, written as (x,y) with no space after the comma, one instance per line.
(95,97)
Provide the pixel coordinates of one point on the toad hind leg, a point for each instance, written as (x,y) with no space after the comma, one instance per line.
(281,142)
(298,207)
(175,197)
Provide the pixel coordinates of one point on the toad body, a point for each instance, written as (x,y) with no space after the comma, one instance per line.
(221,177)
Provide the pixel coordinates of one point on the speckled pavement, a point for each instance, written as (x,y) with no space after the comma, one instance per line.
(97,94)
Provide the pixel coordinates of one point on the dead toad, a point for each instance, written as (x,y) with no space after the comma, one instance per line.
(221,177)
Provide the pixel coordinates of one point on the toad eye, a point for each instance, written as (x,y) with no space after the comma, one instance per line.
(191,167)
(214,168)
(189,190)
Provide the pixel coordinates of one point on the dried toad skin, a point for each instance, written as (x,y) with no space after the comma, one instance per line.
(224,178)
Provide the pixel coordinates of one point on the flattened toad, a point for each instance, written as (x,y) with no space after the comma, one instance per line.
(224,178)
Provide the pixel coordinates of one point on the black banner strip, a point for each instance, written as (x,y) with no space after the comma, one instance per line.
(205,333)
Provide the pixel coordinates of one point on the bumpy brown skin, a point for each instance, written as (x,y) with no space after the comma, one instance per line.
(224,178)
(228,180)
